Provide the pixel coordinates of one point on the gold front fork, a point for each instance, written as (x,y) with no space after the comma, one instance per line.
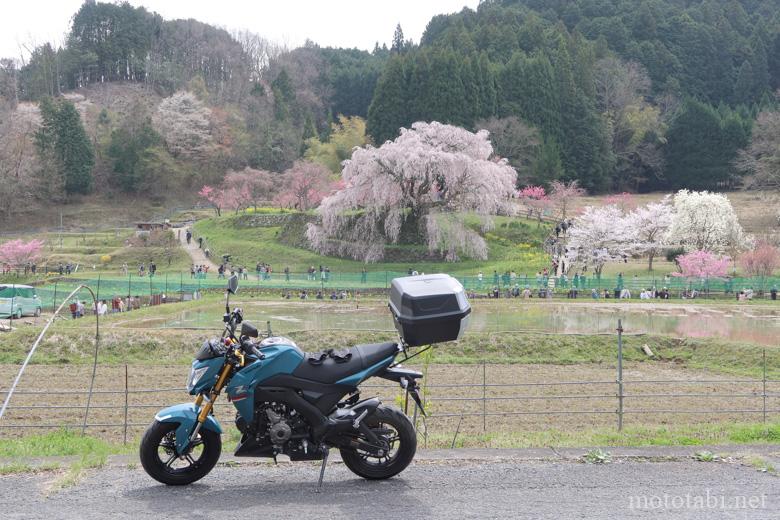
(206,410)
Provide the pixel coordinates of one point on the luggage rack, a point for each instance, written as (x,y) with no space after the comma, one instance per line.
(407,357)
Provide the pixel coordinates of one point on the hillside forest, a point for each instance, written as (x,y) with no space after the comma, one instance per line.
(620,95)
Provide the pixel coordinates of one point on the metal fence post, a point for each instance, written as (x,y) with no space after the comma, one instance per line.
(124,435)
(54,300)
(620,375)
(484,397)
(763,391)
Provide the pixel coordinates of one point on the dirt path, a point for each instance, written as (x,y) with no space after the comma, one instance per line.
(192,249)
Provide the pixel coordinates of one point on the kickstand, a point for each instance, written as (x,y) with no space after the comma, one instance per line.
(322,470)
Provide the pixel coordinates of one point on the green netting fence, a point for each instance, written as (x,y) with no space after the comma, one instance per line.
(166,287)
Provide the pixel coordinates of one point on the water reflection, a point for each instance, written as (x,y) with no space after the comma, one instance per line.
(745,324)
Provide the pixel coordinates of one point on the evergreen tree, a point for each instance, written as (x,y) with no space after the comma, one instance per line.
(744,85)
(130,150)
(398,44)
(49,178)
(774,63)
(547,166)
(586,155)
(488,95)
(418,90)
(64,149)
(388,111)
(702,146)
(73,150)
(284,95)
(760,64)
(447,96)
(469,76)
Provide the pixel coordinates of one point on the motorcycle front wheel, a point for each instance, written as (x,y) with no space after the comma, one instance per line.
(159,459)
(396,430)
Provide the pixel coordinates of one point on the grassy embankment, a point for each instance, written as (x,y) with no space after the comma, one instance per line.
(71,342)
(99,252)
(514,244)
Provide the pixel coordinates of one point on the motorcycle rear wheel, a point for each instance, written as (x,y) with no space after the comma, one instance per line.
(160,461)
(388,423)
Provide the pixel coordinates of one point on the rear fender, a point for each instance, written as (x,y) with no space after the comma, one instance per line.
(398,374)
(186,416)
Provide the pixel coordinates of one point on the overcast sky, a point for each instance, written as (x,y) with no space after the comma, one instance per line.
(338,23)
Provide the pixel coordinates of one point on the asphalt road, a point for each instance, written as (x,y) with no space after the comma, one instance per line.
(518,489)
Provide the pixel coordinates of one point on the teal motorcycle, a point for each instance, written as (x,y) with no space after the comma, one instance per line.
(299,404)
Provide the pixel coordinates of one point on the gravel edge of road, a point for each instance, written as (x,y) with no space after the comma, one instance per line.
(646,453)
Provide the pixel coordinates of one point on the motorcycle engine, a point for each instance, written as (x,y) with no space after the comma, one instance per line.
(279,430)
(276,426)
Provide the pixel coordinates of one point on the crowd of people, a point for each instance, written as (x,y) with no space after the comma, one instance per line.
(100,307)
(320,295)
(324,273)
(142,270)
(198,271)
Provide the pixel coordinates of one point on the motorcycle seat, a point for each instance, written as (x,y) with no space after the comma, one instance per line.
(329,369)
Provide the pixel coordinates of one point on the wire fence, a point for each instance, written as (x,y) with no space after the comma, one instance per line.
(460,399)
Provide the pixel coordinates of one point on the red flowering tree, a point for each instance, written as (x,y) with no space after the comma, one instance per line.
(624,201)
(257,185)
(19,252)
(702,264)
(304,185)
(536,200)
(563,195)
(239,190)
(761,261)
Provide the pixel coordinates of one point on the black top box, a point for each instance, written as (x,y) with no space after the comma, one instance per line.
(429,309)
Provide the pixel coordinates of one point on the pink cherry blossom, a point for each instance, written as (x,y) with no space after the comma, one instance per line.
(703,264)
(19,252)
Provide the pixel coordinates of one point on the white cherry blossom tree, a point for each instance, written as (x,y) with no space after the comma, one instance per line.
(184,122)
(705,221)
(650,225)
(598,236)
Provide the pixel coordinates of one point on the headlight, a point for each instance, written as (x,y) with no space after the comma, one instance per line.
(195,376)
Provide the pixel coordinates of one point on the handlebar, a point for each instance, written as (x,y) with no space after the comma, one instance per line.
(232,319)
(249,348)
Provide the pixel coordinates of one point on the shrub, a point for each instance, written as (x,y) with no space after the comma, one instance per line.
(672,254)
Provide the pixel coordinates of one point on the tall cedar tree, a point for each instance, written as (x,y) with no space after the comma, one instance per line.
(702,146)
(388,111)
(62,143)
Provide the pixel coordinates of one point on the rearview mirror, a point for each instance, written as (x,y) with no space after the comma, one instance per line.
(249,330)
(232,284)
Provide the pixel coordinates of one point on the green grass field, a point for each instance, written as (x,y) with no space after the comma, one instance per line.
(514,243)
(102,252)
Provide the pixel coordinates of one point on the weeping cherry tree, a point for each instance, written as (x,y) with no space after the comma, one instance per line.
(424,183)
